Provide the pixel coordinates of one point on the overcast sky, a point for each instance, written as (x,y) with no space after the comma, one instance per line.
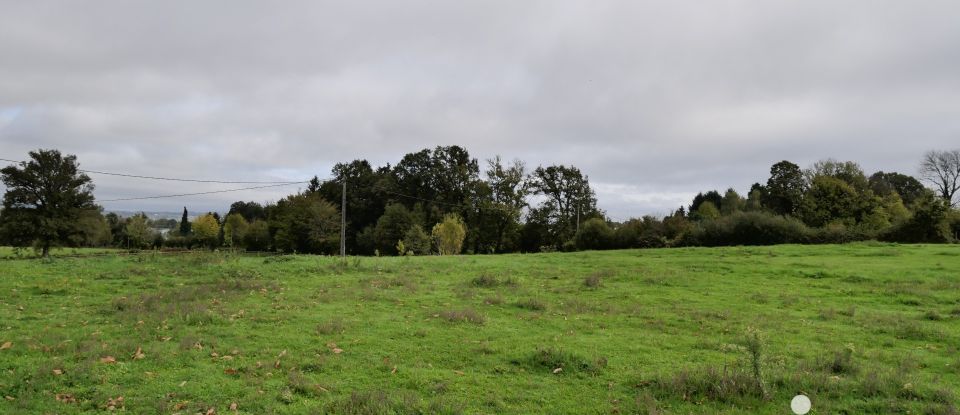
(655,101)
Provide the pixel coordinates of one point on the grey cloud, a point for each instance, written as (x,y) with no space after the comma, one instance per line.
(655,101)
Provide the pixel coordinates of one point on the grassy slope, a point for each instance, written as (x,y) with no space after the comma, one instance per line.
(640,341)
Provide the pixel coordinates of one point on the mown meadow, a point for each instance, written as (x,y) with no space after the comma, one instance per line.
(863,328)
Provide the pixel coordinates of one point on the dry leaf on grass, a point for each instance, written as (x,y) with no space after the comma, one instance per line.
(66,398)
(6,345)
(230,371)
(58,372)
(139,354)
(233,407)
(108,359)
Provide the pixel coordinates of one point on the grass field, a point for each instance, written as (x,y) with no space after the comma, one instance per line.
(861,329)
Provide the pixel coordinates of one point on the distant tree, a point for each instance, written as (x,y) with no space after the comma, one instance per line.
(185,225)
(677,225)
(785,187)
(755,198)
(595,234)
(417,241)
(508,197)
(94,228)
(906,187)
(847,171)
(568,197)
(44,200)
(206,230)
(391,227)
(235,230)
(257,237)
(707,210)
(314,185)
(829,199)
(368,191)
(929,222)
(138,231)
(712,196)
(449,234)
(732,202)
(942,170)
(306,223)
(250,211)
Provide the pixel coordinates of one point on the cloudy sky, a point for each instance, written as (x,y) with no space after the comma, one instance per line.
(655,101)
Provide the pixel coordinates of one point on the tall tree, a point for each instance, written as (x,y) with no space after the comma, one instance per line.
(942,170)
(206,229)
(306,223)
(138,231)
(44,201)
(712,196)
(785,187)
(568,199)
(366,196)
(847,171)
(185,226)
(507,198)
(908,188)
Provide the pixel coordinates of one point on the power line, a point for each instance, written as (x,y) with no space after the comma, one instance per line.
(198,193)
(172,179)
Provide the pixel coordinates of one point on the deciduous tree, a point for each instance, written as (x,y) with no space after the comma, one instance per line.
(45,198)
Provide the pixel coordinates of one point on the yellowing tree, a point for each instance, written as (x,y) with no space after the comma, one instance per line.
(449,234)
(206,230)
(234,230)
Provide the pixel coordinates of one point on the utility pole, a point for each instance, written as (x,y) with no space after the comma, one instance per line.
(343,222)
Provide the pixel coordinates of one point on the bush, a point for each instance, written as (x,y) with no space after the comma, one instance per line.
(749,228)
(929,223)
(594,234)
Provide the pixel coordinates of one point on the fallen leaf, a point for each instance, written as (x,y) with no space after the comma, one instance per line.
(58,372)
(394,370)
(459,372)
(284,353)
(276,365)
(557,370)
(180,405)
(233,406)
(230,371)
(6,345)
(138,354)
(337,350)
(211,411)
(9,398)
(214,354)
(183,383)
(66,398)
(226,357)
(108,359)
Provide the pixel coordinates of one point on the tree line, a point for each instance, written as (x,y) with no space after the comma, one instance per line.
(437,201)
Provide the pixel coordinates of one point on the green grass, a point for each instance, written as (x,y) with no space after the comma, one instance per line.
(861,328)
(7,252)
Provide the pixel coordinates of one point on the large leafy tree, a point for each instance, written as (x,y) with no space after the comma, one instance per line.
(45,200)
(785,187)
(366,195)
(505,202)
(206,230)
(908,188)
(568,198)
(306,223)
